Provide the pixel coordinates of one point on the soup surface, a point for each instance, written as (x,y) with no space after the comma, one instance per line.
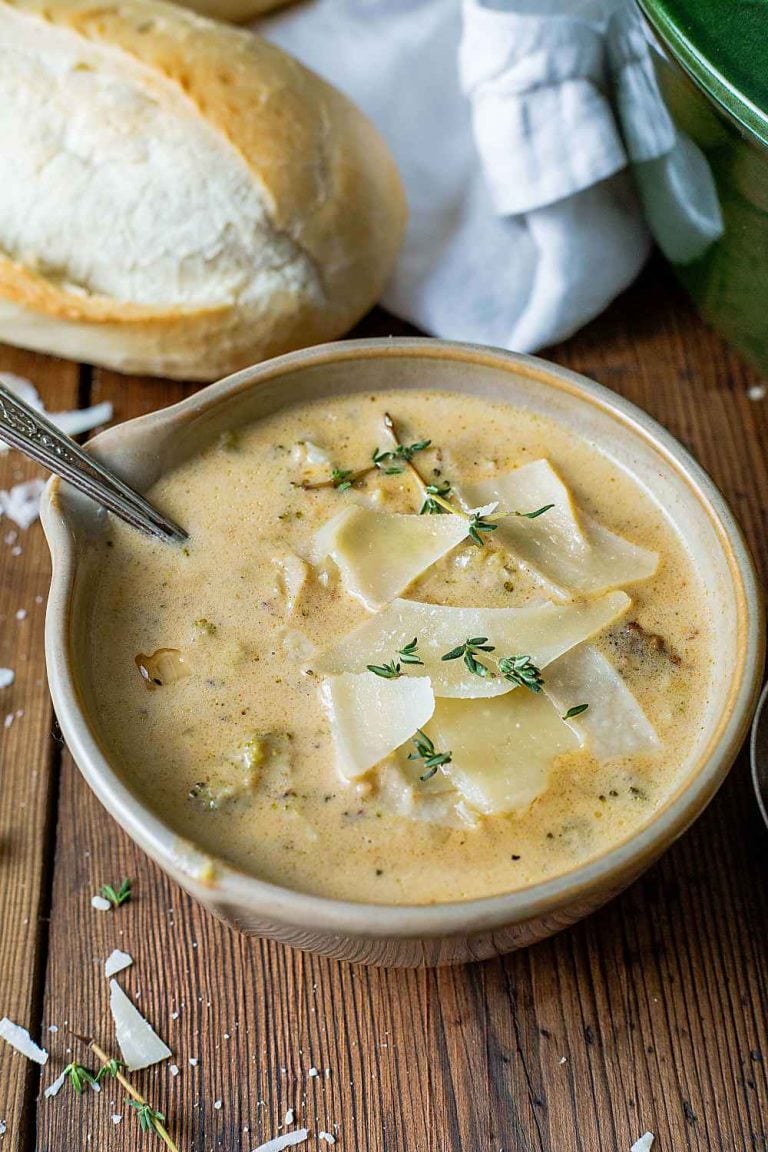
(282,694)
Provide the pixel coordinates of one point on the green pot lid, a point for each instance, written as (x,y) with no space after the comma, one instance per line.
(723,46)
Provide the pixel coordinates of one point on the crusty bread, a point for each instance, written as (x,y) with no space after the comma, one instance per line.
(237,10)
(179,197)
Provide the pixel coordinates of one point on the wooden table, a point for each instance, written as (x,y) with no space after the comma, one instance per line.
(649,1016)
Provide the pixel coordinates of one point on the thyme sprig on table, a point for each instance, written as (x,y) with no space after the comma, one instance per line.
(150,1120)
(426,751)
(517,669)
(79,1076)
(408,654)
(117,896)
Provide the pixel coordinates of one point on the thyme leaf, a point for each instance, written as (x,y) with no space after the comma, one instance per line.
(79,1077)
(110,1069)
(575,711)
(390,461)
(533,515)
(425,750)
(117,896)
(478,524)
(468,651)
(342,479)
(149,1119)
(432,507)
(408,655)
(521,670)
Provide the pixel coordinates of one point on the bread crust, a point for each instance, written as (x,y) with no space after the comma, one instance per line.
(327,179)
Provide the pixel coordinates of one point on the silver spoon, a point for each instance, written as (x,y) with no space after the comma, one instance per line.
(28,430)
(758,749)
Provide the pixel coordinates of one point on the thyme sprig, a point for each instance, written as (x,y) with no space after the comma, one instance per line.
(408,654)
(480,523)
(536,514)
(521,670)
(150,1120)
(79,1076)
(430,506)
(390,461)
(517,669)
(117,896)
(468,652)
(575,711)
(425,750)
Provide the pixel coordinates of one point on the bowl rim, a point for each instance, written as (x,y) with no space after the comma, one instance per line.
(207,877)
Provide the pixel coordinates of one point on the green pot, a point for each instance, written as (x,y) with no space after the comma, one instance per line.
(711,63)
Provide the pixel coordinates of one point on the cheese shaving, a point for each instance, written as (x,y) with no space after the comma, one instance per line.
(20,1039)
(371,717)
(55,1088)
(327,1137)
(644,1144)
(139,1044)
(572,552)
(380,554)
(116,962)
(7,677)
(287,1140)
(100,903)
(21,503)
(508,767)
(614,724)
(542,631)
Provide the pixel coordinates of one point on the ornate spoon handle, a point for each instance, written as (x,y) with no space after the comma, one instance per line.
(29,431)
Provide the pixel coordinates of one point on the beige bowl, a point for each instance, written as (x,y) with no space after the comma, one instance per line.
(446,933)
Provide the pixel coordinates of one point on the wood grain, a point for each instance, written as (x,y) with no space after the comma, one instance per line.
(28,763)
(650,1015)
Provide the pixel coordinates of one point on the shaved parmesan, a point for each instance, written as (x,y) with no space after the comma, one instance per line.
(614,724)
(116,962)
(55,1088)
(326,1137)
(21,503)
(371,717)
(7,677)
(569,550)
(288,1140)
(379,554)
(139,1044)
(644,1144)
(291,576)
(502,750)
(541,631)
(82,419)
(20,1039)
(101,904)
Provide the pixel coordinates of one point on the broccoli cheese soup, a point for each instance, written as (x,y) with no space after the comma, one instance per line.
(420,647)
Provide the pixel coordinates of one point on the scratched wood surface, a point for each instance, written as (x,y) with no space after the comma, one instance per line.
(649,1016)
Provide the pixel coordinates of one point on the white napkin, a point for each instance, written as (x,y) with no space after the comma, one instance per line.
(523,219)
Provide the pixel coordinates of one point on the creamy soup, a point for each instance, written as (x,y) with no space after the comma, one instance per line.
(396,671)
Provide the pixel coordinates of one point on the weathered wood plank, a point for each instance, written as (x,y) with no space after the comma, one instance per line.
(648,1016)
(28,762)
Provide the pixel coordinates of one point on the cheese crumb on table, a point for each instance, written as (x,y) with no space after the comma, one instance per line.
(20,1039)
(644,1144)
(100,903)
(7,677)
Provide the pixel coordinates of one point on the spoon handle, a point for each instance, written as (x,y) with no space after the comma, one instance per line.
(28,430)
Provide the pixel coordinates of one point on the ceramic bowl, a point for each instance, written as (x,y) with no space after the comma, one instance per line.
(143,449)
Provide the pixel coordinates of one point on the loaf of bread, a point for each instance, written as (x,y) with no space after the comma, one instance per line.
(179,197)
(237,10)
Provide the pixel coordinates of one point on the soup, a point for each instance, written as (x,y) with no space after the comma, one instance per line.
(419,648)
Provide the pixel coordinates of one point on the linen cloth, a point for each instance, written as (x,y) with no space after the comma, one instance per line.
(516,125)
